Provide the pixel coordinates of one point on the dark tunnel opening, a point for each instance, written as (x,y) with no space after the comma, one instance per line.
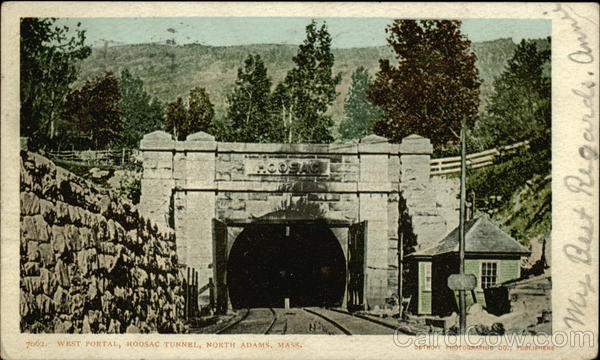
(268,263)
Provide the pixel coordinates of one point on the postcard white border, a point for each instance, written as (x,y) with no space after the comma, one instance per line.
(568,130)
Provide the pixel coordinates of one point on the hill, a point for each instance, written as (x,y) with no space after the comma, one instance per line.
(170,71)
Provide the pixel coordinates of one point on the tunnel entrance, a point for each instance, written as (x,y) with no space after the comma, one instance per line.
(269,263)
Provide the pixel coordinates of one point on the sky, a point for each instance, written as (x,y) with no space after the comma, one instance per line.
(227,31)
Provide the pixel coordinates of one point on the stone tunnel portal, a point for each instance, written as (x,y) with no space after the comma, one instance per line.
(207,190)
(269,263)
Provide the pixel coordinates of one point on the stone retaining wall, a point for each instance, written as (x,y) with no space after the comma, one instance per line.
(89,262)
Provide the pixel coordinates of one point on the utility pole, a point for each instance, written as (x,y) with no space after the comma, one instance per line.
(461,245)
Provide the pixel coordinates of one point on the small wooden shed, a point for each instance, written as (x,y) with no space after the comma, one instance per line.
(491,255)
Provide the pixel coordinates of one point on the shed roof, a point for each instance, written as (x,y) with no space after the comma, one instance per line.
(481,236)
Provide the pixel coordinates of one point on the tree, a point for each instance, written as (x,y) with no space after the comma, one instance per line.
(248,111)
(141,114)
(301,101)
(434,85)
(94,111)
(198,116)
(222,128)
(49,56)
(176,119)
(520,108)
(200,113)
(360,113)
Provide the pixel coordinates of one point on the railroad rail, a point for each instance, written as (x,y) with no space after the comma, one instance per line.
(270,327)
(279,324)
(353,324)
(341,327)
(252,321)
(234,323)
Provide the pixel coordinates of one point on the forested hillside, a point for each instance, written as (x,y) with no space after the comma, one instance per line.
(170,71)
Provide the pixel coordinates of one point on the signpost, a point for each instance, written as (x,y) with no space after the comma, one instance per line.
(464,282)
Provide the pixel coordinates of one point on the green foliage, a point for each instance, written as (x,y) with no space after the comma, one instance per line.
(94,112)
(520,107)
(130,186)
(198,116)
(80,169)
(215,67)
(141,114)
(360,113)
(49,57)
(434,86)
(528,214)
(222,128)
(503,179)
(517,194)
(248,111)
(176,119)
(518,191)
(125,181)
(302,100)
(200,111)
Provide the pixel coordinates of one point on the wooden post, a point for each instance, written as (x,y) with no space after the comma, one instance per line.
(461,245)
(185,299)
(195,293)
(192,287)
(211,293)
(400,272)
(187,295)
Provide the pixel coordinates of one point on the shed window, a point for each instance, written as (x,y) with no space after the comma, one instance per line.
(427,271)
(489,274)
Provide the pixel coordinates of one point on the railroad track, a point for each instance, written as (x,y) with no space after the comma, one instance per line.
(256,321)
(351,324)
(225,329)
(279,324)
(275,321)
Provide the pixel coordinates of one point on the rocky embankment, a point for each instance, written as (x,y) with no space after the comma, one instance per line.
(89,262)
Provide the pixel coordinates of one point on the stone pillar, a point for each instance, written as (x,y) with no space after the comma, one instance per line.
(415,152)
(374,187)
(416,190)
(157,179)
(197,182)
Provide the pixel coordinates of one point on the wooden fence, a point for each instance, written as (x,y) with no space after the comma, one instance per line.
(441,166)
(118,157)
(192,292)
(450,165)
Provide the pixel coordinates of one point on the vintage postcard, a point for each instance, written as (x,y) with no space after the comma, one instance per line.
(302,180)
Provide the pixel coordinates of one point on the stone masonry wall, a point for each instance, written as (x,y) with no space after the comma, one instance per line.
(420,223)
(89,262)
(333,205)
(187,184)
(447,198)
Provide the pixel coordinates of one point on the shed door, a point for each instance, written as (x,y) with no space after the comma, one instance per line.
(220,265)
(357,253)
